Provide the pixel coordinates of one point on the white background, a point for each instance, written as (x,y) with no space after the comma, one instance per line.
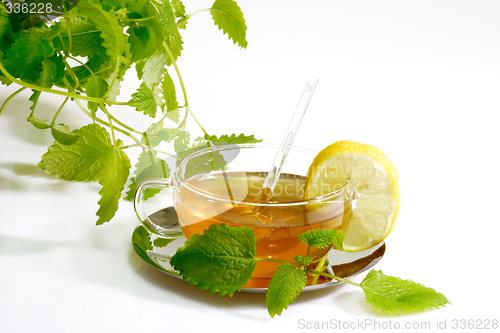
(418,79)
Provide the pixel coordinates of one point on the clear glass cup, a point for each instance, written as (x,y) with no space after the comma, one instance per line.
(224,185)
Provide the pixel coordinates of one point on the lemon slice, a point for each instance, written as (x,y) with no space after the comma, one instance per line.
(375,183)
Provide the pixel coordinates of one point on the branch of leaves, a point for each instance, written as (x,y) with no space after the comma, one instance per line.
(223,258)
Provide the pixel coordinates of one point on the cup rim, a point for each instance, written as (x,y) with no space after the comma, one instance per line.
(193,188)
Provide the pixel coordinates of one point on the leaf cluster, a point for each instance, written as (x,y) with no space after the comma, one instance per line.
(84,56)
(223,258)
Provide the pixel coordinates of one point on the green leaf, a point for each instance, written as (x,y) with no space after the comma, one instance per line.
(152,70)
(34,98)
(178,7)
(96,86)
(228,17)
(5,30)
(169,93)
(162,242)
(63,135)
(86,39)
(113,182)
(145,37)
(171,33)
(147,166)
(141,237)
(92,158)
(392,294)
(284,287)
(321,238)
(174,115)
(24,59)
(233,139)
(144,100)
(181,141)
(48,74)
(221,260)
(40,124)
(114,40)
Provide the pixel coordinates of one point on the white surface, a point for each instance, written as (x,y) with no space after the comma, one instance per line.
(419,80)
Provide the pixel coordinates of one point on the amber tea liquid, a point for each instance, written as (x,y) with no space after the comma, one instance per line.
(276,226)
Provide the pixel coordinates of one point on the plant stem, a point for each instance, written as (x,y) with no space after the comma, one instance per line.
(333,277)
(320,267)
(111,127)
(57,92)
(126,19)
(188,108)
(106,124)
(124,125)
(196,13)
(115,74)
(10,98)
(59,111)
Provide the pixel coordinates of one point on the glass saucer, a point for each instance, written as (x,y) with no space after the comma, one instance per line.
(157,252)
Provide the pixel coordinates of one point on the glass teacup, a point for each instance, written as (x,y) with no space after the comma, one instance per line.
(224,185)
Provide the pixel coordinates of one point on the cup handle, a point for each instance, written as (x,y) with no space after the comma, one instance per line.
(171,232)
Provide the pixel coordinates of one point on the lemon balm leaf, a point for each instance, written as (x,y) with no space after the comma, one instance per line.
(24,58)
(392,294)
(93,157)
(178,7)
(114,40)
(96,86)
(171,33)
(85,37)
(221,260)
(322,238)
(228,17)
(112,181)
(242,138)
(144,100)
(169,93)
(284,287)
(148,166)
(63,135)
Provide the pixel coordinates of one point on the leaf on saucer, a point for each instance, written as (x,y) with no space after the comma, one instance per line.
(141,238)
(162,242)
(286,284)
(221,260)
(392,294)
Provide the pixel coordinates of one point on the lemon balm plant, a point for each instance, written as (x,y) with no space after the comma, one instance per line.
(83,56)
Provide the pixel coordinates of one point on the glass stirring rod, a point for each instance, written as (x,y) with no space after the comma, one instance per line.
(286,144)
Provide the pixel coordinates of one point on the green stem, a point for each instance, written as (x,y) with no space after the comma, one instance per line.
(126,19)
(84,65)
(124,125)
(172,58)
(188,108)
(320,267)
(10,98)
(196,13)
(59,111)
(102,122)
(111,127)
(115,74)
(333,277)
(57,92)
